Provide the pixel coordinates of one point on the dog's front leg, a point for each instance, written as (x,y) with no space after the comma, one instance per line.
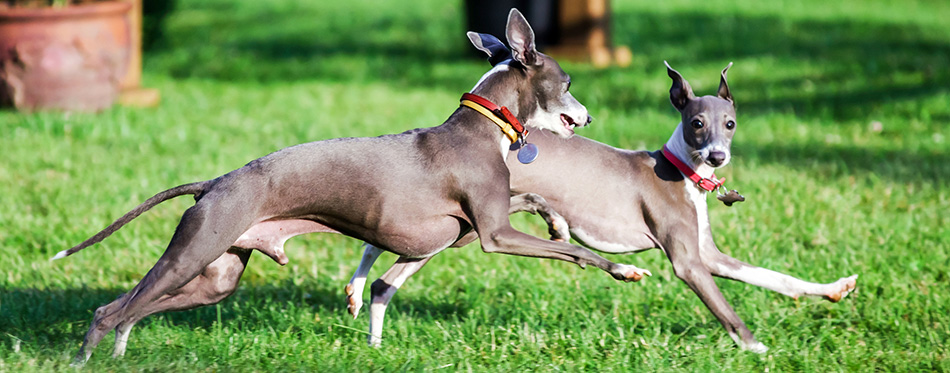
(725,266)
(692,271)
(490,221)
(507,240)
(383,290)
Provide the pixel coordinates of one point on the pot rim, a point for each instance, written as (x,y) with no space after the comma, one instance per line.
(102,8)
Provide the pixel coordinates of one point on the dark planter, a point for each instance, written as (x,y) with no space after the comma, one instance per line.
(68,58)
(491,16)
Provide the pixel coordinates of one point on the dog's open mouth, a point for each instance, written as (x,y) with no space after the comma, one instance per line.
(568,123)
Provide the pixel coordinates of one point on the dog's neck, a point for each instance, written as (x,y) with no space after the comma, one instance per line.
(485,87)
(677,145)
(497,69)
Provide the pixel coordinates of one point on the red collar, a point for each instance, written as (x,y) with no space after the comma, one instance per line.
(500,112)
(708,185)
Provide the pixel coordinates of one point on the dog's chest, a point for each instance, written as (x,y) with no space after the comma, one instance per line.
(697,199)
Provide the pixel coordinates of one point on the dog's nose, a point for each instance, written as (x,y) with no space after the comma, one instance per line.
(589,119)
(716,158)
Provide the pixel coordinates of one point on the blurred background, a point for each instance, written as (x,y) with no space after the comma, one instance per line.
(872,70)
(844,60)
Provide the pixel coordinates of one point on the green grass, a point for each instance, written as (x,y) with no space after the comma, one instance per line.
(828,196)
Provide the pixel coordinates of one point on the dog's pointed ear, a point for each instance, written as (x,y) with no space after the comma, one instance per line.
(724,87)
(680,92)
(521,39)
(494,48)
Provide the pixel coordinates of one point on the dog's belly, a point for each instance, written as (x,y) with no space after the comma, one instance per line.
(418,238)
(425,240)
(268,237)
(612,241)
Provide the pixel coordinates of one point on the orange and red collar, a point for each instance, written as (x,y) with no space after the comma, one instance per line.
(510,125)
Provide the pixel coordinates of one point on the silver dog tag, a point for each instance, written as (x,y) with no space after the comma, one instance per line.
(528,153)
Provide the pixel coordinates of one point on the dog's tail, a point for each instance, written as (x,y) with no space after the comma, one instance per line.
(193,188)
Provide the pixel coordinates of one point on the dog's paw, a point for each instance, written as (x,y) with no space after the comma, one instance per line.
(756,347)
(559,230)
(375,341)
(841,288)
(353,301)
(632,273)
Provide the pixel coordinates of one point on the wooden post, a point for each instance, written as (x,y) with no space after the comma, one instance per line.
(132,93)
(133,72)
(584,34)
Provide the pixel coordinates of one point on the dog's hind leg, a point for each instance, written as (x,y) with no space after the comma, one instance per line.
(204,233)
(354,289)
(383,290)
(216,282)
(219,279)
(722,265)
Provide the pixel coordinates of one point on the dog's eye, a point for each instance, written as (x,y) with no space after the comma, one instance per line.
(697,124)
(730,125)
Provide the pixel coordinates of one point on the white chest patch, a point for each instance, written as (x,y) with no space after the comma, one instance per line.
(505,147)
(698,198)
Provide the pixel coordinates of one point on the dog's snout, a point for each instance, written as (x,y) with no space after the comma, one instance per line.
(716,158)
(589,119)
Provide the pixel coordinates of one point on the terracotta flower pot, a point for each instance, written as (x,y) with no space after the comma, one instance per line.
(68,58)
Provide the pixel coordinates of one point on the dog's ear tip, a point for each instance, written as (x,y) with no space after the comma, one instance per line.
(727,67)
(670,70)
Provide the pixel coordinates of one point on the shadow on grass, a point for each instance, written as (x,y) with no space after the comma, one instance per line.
(61,317)
(836,161)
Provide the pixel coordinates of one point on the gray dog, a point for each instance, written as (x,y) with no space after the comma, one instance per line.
(621,201)
(414,193)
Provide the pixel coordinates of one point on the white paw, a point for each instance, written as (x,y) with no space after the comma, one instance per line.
(375,341)
(756,347)
(633,273)
(842,288)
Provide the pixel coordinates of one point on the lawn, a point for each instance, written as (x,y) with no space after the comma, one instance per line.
(841,151)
